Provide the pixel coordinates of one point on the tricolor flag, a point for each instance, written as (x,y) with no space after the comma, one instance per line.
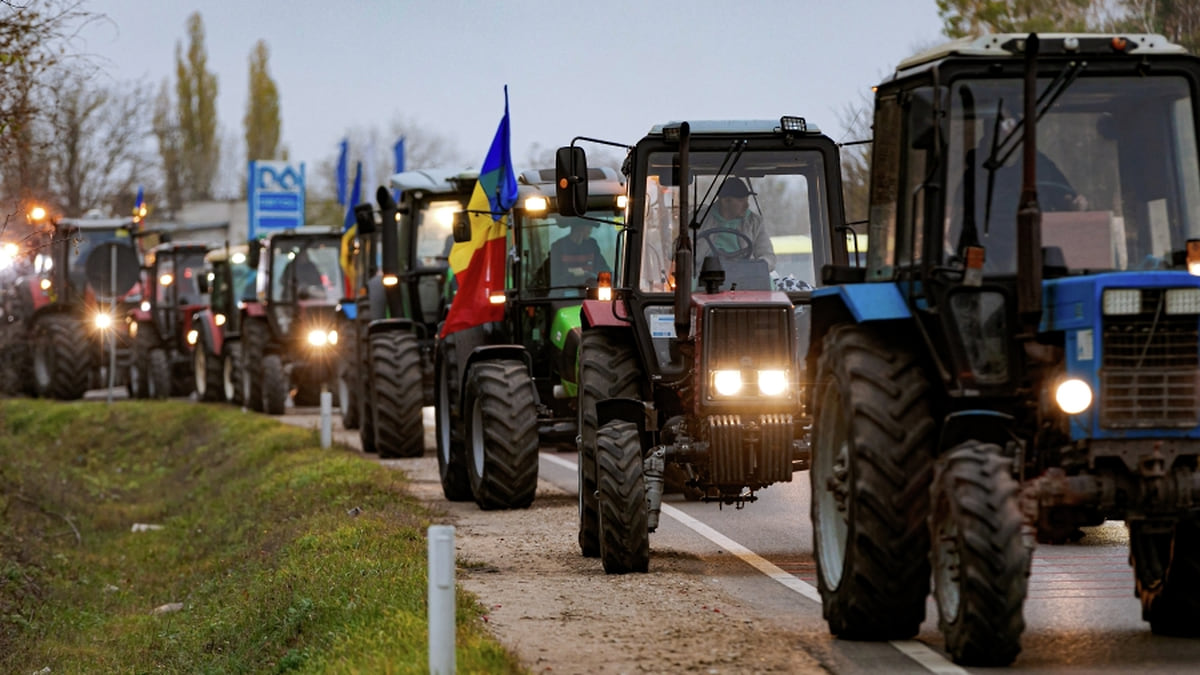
(478,264)
(349,231)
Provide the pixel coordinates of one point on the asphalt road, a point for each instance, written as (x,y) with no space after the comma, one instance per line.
(1081,613)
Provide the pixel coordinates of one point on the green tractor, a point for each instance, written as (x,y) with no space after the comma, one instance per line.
(1020,355)
(505,388)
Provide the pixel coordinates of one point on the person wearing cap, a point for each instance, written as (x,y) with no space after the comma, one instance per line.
(576,260)
(733,212)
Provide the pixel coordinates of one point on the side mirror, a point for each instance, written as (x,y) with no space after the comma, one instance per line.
(364,217)
(253,255)
(571,183)
(202,283)
(462,227)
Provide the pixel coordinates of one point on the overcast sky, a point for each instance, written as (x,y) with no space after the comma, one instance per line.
(600,68)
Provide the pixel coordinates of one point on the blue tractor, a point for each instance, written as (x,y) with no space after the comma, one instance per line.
(1020,355)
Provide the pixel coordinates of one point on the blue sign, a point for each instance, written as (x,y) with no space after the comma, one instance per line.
(275,196)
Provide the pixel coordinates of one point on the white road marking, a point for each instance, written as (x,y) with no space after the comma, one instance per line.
(913,649)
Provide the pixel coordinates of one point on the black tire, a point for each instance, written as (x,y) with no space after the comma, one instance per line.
(451,449)
(347,386)
(608,368)
(254,346)
(396,361)
(1166,569)
(980,558)
(139,363)
(274,385)
(621,496)
(209,374)
(231,371)
(500,407)
(61,358)
(871,471)
(366,411)
(158,374)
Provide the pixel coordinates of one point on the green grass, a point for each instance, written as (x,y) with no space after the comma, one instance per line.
(257,543)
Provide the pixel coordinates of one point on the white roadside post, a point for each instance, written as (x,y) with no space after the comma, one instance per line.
(441,599)
(326,417)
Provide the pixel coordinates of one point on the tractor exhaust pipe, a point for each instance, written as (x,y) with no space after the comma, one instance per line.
(683,251)
(1029,213)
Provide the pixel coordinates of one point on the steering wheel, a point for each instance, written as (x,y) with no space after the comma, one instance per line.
(745,245)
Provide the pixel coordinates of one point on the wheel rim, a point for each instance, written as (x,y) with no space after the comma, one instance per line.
(830,474)
(946,565)
(477,450)
(200,371)
(227,378)
(41,366)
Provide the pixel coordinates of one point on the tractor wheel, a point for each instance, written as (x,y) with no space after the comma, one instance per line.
(274,385)
(208,371)
(347,389)
(254,346)
(1166,569)
(608,368)
(366,393)
(61,361)
(158,374)
(231,371)
(502,437)
(979,556)
(871,470)
(396,358)
(621,496)
(139,362)
(16,372)
(451,450)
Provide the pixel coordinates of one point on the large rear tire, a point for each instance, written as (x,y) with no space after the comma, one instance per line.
(621,495)
(1166,568)
(61,359)
(980,557)
(396,357)
(275,385)
(158,375)
(502,437)
(608,368)
(451,449)
(871,470)
(254,345)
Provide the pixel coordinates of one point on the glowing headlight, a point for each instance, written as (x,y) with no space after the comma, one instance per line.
(1122,301)
(133,328)
(390,280)
(102,320)
(333,337)
(166,279)
(1183,301)
(727,382)
(536,203)
(219,319)
(193,336)
(319,338)
(497,298)
(238,258)
(772,382)
(145,305)
(1073,396)
(45,284)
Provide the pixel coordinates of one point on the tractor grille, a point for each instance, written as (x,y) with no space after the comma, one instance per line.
(752,453)
(1150,367)
(762,333)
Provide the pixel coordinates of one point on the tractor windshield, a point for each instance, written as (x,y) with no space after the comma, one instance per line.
(178,280)
(435,223)
(563,255)
(1118,177)
(306,269)
(755,217)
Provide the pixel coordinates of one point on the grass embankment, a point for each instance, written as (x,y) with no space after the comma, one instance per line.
(258,543)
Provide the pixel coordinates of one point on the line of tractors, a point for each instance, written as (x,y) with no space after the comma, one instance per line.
(1015,355)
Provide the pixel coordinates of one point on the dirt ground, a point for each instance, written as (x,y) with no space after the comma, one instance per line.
(561,614)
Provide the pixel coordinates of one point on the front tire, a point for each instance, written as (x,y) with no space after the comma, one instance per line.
(980,558)
(61,360)
(158,377)
(209,374)
(254,346)
(1166,568)
(871,471)
(502,434)
(621,496)
(275,385)
(451,449)
(399,431)
(608,368)
(231,368)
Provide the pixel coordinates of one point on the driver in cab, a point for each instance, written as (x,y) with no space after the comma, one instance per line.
(733,229)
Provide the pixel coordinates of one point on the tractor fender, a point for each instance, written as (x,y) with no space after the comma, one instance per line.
(139,315)
(494,352)
(377,298)
(987,426)
(205,324)
(623,410)
(602,314)
(389,325)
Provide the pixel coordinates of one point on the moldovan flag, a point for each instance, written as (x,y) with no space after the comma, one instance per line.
(478,264)
(349,231)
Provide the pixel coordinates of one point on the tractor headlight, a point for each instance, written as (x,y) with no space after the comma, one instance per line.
(193,336)
(772,382)
(320,338)
(727,382)
(219,319)
(1073,396)
(1122,301)
(102,320)
(1183,301)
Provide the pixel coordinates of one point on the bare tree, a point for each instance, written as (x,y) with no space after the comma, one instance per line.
(170,148)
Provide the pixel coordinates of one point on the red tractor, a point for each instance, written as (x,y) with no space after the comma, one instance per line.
(217,356)
(161,326)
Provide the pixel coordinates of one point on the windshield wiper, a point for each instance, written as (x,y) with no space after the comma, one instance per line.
(723,171)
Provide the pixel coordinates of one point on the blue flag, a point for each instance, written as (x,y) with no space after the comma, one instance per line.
(398,153)
(496,176)
(341,172)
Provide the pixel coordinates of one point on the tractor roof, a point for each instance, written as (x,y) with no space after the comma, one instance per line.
(225,252)
(718,127)
(1011,45)
(433,180)
(98,223)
